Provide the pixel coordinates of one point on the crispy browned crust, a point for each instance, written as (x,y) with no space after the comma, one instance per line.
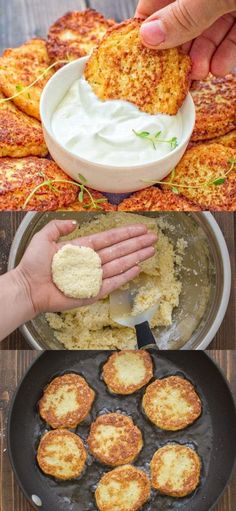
(112,379)
(164,400)
(62,388)
(55,443)
(116,451)
(215,102)
(19,67)
(76,34)
(121,478)
(20,135)
(86,204)
(154,199)
(205,163)
(228,140)
(175,485)
(156,81)
(19,177)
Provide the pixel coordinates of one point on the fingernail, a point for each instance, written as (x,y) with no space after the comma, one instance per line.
(153,32)
(74,222)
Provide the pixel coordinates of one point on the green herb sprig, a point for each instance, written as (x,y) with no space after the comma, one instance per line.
(155,138)
(216,181)
(20,89)
(50,183)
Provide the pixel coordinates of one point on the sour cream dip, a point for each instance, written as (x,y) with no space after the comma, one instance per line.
(104,131)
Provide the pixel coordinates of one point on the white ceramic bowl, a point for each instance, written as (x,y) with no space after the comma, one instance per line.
(106,178)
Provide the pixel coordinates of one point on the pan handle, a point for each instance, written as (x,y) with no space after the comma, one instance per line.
(145,336)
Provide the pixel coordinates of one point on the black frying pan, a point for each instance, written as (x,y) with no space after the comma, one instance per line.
(213,434)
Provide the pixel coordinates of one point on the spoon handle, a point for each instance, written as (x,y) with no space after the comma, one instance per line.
(145,336)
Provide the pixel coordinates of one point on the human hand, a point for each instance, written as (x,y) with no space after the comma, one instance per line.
(206,29)
(121,250)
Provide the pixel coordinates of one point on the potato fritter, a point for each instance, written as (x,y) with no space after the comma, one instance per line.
(76,34)
(228,140)
(20,176)
(19,67)
(127,371)
(61,454)
(201,167)
(215,102)
(66,401)
(172,403)
(125,488)
(175,470)
(20,135)
(114,439)
(154,199)
(156,81)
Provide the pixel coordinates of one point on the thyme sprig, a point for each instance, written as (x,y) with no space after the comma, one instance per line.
(155,138)
(20,89)
(216,181)
(50,183)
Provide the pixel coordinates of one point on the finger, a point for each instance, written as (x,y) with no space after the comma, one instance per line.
(121,265)
(147,7)
(110,284)
(126,247)
(224,58)
(179,22)
(204,46)
(57,228)
(108,238)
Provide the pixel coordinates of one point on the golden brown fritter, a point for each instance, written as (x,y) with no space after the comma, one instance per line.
(66,401)
(156,81)
(114,439)
(20,176)
(199,167)
(61,454)
(175,470)
(125,488)
(127,371)
(215,102)
(76,34)
(19,67)
(171,403)
(154,199)
(20,135)
(87,206)
(228,140)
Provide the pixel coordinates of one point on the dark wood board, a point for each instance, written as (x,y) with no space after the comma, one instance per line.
(225,338)
(13,365)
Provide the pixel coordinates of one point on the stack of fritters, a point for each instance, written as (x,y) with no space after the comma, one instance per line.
(120,67)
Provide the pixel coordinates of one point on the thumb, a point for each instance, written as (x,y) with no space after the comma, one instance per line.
(180,22)
(57,228)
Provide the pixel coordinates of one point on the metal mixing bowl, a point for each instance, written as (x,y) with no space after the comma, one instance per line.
(205,276)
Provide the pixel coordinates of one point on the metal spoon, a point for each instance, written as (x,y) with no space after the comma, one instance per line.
(121,305)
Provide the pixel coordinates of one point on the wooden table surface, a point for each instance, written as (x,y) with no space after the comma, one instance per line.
(225,338)
(13,364)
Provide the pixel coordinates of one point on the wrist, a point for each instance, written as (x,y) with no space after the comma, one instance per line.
(23,293)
